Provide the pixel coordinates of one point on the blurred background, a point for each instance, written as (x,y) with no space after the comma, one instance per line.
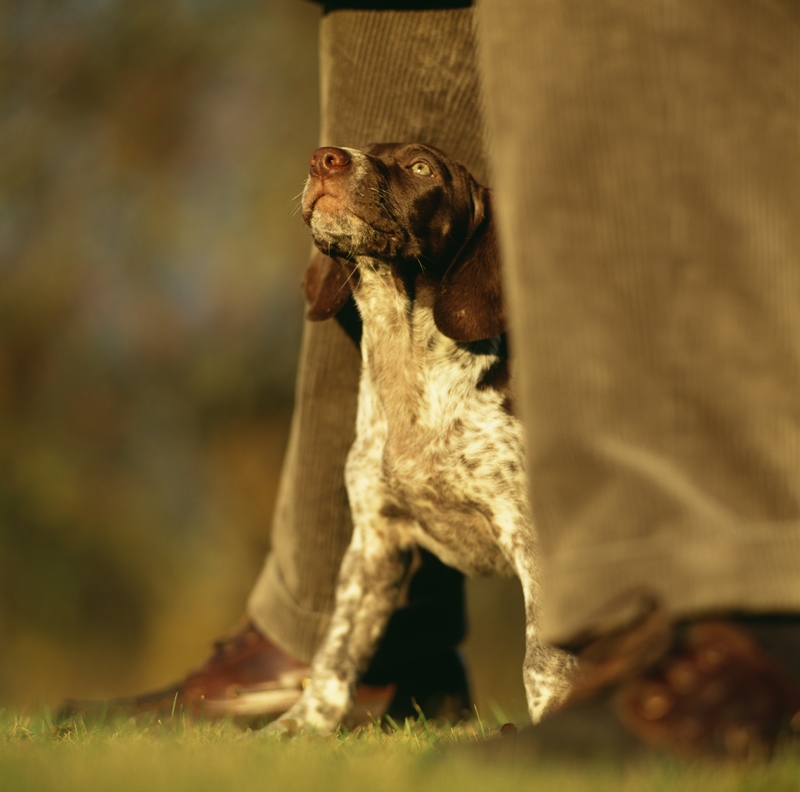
(151,155)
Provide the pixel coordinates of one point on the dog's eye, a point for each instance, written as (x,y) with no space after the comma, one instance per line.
(421,168)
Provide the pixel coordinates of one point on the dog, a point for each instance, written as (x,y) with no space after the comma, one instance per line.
(438,460)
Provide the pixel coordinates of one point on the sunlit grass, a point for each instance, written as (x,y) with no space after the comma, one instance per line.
(177,754)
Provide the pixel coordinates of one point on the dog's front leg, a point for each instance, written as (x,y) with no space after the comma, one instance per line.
(369,580)
(548,672)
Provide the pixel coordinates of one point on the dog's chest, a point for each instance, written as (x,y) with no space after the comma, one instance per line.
(436,452)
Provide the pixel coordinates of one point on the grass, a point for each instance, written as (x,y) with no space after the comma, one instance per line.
(182,756)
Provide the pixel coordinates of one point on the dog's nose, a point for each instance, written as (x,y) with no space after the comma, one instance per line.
(327,161)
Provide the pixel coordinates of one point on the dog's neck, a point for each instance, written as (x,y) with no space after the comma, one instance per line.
(416,371)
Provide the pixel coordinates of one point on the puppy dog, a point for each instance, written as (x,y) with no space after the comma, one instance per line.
(438,460)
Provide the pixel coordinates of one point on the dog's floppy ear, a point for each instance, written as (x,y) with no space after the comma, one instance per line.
(325,286)
(470,306)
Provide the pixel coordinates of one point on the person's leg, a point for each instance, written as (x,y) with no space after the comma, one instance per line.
(292,598)
(646,161)
(386,76)
(647,167)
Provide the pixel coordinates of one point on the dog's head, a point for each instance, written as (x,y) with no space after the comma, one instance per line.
(410,208)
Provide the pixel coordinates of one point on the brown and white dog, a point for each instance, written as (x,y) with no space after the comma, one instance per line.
(438,460)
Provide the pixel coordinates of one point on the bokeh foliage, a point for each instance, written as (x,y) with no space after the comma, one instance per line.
(150,311)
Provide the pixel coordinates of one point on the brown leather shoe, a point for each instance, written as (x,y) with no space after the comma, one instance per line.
(701,688)
(716,692)
(249,680)
(709,688)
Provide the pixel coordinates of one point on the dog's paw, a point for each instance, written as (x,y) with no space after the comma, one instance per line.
(287,727)
(308,715)
(295,720)
(548,676)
